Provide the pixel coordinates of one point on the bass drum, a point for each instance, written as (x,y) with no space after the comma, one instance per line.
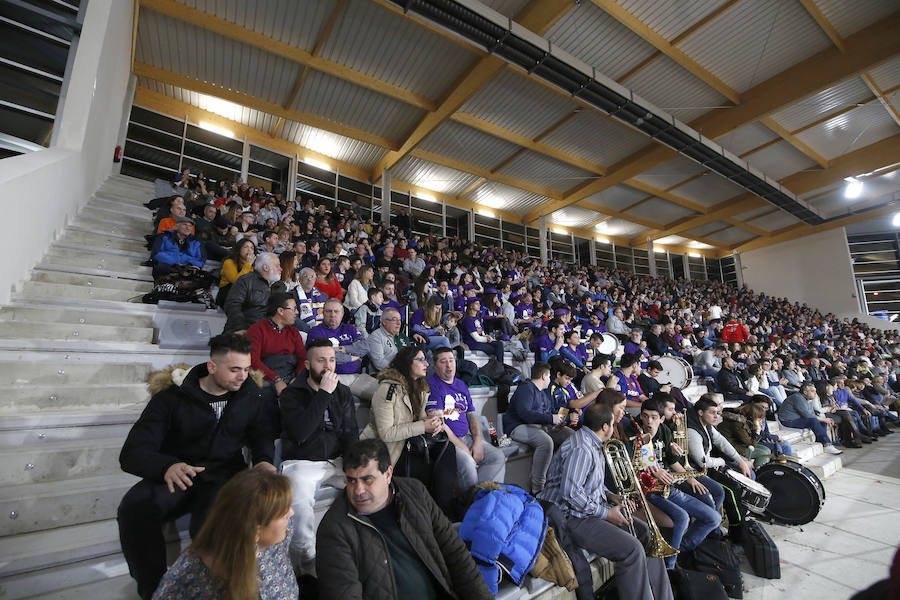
(675,370)
(797,493)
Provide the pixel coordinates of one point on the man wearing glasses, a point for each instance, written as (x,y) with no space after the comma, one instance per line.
(278,349)
(386,341)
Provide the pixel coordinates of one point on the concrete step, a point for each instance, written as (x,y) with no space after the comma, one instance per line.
(92,260)
(825,465)
(25,429)
(79,292)
(76,266)
(36,398)
(59,373)
(67,332)
(38,506)
(119,207)
(121,196)
(101,250)
(114,218)
(137,287)
(60,461)
(121,587)
(43,549)
(80,316)
(806,451)
(126,233)
(66,580)
(100,240)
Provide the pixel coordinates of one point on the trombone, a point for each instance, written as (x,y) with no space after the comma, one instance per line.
(623,475)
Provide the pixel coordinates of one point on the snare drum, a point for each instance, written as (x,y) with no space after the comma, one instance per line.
(609,345)
(751,494)
(676,371)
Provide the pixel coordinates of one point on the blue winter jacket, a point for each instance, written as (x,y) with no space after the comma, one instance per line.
(505,531)
(166,250)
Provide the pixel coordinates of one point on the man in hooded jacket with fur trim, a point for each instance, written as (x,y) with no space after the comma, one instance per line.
(185,445)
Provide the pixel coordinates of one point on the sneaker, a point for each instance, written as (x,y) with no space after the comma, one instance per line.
(832,450)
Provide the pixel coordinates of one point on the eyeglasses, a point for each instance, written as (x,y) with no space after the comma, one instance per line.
(293,308)
(420,359)
(393,319)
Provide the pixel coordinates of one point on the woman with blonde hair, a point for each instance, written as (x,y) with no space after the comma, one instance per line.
(357,291)
(241,552)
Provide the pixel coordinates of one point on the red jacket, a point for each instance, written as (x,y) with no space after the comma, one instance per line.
(268,341)
(735,332)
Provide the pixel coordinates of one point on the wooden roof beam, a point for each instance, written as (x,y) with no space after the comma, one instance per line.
(823,23)
(538,16)
(202,87)
(794,141)
(866,159)
(660,43)
(882,97)
(336,10)
(867,47)
(212,23)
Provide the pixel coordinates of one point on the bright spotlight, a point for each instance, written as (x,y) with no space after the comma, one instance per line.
(853,189)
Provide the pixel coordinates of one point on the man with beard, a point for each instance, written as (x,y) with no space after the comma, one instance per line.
(249,295)
(318,422)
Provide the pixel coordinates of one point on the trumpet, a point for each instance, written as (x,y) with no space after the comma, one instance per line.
(623,474)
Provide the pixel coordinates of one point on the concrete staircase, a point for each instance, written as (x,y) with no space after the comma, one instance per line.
(76,347)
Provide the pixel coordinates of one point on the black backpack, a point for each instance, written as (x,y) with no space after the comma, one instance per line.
(467,372)
(718,557)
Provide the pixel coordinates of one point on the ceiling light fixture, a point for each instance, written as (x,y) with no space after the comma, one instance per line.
(215,129)
(317,163)
(853,189)
(896,220)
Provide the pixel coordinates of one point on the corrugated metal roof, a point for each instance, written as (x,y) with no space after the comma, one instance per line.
(361,154)
(235,112)
(518,104)
(851,131)
(590,34)
(616,197)
(752,214)
(670,19)
(669,173)
(746,138)
(732,235)
(755,40)
(181,48)
(344,102)
(780,160)
(676,91)
(704,229)
(708,190)
(389,47)
(575,216)
(659,211)
(431,176)
(850,17)
(887,75)
(296,22)
(497,195)
(846,93)
(547,172)
(507,8)
(775,221)
(621,227)
(596,138)
(459,142)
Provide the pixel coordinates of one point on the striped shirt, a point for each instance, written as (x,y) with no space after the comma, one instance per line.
(575,477)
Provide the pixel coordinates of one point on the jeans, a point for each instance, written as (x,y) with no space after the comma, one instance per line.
(816,425)
(542,439)
(716,496)
(437,341)
(778,394)
(491,468)
(494,348)
(778,447)
(681,507)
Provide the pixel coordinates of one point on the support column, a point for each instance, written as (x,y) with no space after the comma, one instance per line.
(245,160)
(471,227)
(542,238)
(443,218)
(291,190)
(686,261)
(126,116)
(861,296)
(738,270)
(651,257)
(592,248)
(386,197)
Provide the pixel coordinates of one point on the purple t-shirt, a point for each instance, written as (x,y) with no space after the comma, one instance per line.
(344,335)
(524,311)
(468,326)
(454,400)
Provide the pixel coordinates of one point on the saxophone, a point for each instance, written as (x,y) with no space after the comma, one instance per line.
(623,474)
(657,486)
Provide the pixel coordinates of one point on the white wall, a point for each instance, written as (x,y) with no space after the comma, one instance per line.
(51,185)
(814,269)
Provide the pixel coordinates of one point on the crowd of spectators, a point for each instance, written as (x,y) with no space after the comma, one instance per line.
(329,305)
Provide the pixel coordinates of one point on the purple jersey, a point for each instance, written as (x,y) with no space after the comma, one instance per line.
(344,335)
(454,399)
(470,325)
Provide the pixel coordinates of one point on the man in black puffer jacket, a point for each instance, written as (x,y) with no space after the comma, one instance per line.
(186,444)
(386,539)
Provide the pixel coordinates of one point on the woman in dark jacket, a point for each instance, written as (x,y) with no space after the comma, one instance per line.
(743,429)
